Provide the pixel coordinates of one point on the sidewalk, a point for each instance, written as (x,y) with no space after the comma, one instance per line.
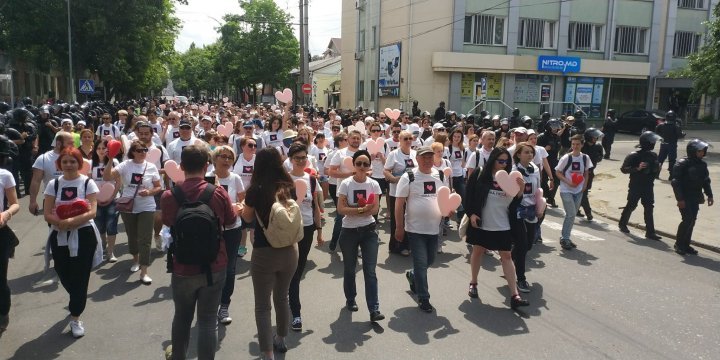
(609,196)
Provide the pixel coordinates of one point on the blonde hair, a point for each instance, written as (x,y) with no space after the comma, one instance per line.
(218,150)
(437,146)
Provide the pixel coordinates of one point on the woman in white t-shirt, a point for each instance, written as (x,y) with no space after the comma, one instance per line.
(244,167)
(456,155)
(320,151)
(527,218)
(359,230)
(310,210)
(397,162)
(7,191)
(223,158)
(73,241)
(488,208)
(273,136)
(107,216)
(140,180)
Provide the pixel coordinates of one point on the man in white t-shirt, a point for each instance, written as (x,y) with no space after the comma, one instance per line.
(339,171)
(146,134)
(107,128)
(572,170)
(419,221)
(475,162)
(186,138)
(45,169)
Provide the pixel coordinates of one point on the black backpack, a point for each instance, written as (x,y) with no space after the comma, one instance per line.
(196,233)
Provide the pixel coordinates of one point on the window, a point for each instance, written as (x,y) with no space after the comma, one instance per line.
(361,90)
(586,37)
(631,40)
(536,33)
(374,37)
(691,4)
(361,40)
(485,30)
(686,43)
(372,90)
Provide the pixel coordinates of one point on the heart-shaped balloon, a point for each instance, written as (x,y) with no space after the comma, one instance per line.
(75,208)
(508,182)
(393,114)
(447,202)
(360,126)
(125,142)
(311,171)
(153,155)
(86,167)
(285,96)
(113,148)
(106,192)
(225,99)
(347,164)
(361,201)
(228,104)
(540,202)
(576,178)
(371,198)
(162,106)
(300,189)
(224,130)
(172,169)
(351,128)
(375,146)
(447,172)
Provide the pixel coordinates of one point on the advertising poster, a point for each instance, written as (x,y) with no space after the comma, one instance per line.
(494,86)
(466,84)
(598,91)
(545,92)
(570,92)
(583,93)
(389,72)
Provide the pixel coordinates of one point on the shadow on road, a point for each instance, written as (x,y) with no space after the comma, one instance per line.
(499,321)
(701,261)
(582,257)
(347,335)
(419,325)
(49,345)
(335,267)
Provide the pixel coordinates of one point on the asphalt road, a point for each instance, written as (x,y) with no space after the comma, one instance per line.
(614,297)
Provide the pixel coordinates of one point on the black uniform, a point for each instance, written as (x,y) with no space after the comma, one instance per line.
(609,129)
(640,187)
(670,132)
(690,178)
(595,153)
(551,143)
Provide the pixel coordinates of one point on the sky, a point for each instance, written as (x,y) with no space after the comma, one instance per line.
(201,18)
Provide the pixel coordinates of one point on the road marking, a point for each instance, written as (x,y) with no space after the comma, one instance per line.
(574,234)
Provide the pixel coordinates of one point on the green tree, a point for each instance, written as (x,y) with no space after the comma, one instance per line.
(704,66)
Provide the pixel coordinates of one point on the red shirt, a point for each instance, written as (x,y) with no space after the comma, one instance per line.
(221,205)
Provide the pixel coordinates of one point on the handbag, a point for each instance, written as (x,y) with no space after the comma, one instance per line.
(125,203)
(284,227)
(11,240)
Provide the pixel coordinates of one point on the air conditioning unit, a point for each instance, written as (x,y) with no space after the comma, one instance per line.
(360,4)
(359,55)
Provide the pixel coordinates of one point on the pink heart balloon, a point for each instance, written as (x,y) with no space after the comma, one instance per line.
(86,167)
(225,130)
(347,164)
(106,192)
(393,114)
(576,178)
(162,106)
(447,202)
(540,202)
(447,172)
(375,146)
(172,169)
(153,155)
(285,96)
(225,99)
(300,189)
(507,184)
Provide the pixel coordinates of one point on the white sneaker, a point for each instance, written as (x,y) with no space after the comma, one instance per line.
(146,279)
(112,258)
(224,315)
(76,326)
(135,268)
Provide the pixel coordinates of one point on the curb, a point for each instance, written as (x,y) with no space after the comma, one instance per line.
(712,248)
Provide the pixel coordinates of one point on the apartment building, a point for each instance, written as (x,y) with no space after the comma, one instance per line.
(536,55)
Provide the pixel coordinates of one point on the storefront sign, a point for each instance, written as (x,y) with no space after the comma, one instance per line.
(563,64)
(494,86)
(389,72)
(466,84)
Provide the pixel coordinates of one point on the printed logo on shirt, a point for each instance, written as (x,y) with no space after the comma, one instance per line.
(321,156)
(273,137)
(247,169)
(359,194)
(393,148)
(575,166)
(429,187)
(458,155)
(226,188)
(528,188)
(68,193)
(106,132)
(409,163)
(136,179)
(155,130)
(176,135)
(100,172)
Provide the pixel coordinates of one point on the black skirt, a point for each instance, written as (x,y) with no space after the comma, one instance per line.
(491,240)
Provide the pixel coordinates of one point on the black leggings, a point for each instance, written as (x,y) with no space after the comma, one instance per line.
(4,288)
(522,245)
(304,247)
(74,272)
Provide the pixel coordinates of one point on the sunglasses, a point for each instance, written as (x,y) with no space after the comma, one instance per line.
(501,161)
(362,164)
(141,150)
(395,132)
(407,139)
(252,146)
(376,130)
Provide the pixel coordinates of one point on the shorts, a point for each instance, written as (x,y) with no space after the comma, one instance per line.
(106,219)
(384,185)
(157,200)
(324,178)
(491,240)
(246,225)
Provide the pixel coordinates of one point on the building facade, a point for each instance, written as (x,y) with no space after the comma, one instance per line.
(531,54)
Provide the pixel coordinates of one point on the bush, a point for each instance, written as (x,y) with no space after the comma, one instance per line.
(707,119)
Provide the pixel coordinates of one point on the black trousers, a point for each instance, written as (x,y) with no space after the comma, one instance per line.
(4,288)
(74,272)
(304,247)
(585,202)
(524,239)
(395,246)
(646,197)
(687,225)
(549,194)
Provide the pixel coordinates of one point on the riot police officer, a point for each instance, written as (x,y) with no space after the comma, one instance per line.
(47,127)
(670,132)
(514,120)
(609,128)
(544,118)
(595,152)
(526,122)
(580,124)
(643,167)
(690,178)
(22,121)
(550,140)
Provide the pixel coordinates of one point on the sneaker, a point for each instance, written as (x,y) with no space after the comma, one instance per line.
(523,286)
(279,344)
(579,214)
(224,315)
(351,305)
(589,217)
(146,279)
(135,268)
(440,249)
(572,244)
(653,236)
(376,316)
(624,229)
(565,244)
(411,280)
(516,301)
(76,326)
(691,250)
(242,251)
(405,252)
(296,324)
(112,258)
(168,352)
(4,322)
(472,291)
(489,252)
(425,306)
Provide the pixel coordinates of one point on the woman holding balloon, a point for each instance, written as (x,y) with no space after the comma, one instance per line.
(107,216)
(70,206)
(528,211)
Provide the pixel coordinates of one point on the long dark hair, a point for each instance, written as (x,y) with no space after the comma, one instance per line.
(486,176)
(478,188)
(96,159)
(268,181)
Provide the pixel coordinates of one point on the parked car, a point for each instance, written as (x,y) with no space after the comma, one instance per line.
(639,121)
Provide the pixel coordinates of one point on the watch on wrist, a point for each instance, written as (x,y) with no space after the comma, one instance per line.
(361,210)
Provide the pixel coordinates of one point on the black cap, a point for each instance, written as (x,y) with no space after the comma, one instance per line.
(248,124)
(185,123)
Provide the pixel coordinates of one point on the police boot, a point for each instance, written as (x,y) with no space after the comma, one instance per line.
(650,226)
(624,218)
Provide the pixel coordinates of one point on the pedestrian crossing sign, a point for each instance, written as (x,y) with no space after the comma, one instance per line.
(87,86)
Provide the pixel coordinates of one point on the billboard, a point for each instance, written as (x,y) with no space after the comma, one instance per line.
(389,72)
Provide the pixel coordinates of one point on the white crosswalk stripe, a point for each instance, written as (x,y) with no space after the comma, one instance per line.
(574,235)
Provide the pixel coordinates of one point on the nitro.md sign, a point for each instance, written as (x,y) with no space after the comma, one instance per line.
(563,64)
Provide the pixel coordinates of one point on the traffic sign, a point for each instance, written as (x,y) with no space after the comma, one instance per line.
(87,86)
(307,89)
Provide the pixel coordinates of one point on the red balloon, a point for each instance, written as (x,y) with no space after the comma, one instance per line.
(311,171)
(371,199)
(576,178)
(113,148)
(75,208)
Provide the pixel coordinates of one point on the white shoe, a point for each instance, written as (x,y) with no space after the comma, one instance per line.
(112,258)
(135,268)
(158,243)
(76,326)
(146,279)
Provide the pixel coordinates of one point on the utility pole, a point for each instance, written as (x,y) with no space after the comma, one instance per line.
(306,54)
(70,62)
(304,50)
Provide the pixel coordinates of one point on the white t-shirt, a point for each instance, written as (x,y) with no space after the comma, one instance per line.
(444,164)
(397,162)
(273,138)
(532,183)
(132,177)
(46,163)
(306,206)
(472,158)
(391,144)
(354,190)
(176,147)
(234,186)
(6,182)
(320,154)
(422,213)
(105,130)
(244,168)
(69,191)
(337,160)
(377,164)
(172,133)
(457,158)
(495,213)
(577,165)
(540,155)
(99,170)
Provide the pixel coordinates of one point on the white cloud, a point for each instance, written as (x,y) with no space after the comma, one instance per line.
(200,20)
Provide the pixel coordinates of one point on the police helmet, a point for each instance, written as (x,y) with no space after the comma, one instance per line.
(27,101)
(553,124)
(545,116)
(592,133)
(670,116)
(527,122)
(4,107)
(696,145)
(648,139)
(516,112)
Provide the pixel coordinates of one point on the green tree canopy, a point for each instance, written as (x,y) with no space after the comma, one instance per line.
(704,66)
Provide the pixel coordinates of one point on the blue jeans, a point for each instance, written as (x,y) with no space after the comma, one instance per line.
(423,248)
(106,219)
(571,203)
(350,240)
